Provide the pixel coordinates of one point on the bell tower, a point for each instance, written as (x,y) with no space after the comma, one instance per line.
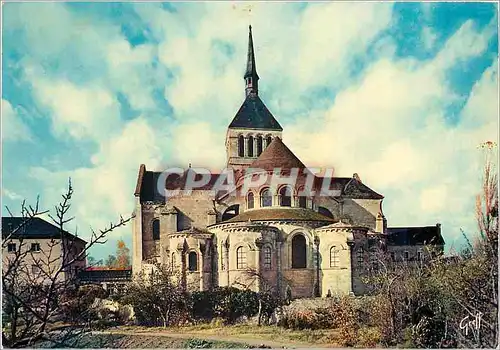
(254,127)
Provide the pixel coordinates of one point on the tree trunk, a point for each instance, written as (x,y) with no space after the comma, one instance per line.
(260,312)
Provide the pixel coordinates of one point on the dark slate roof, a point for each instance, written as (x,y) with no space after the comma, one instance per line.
(253,114)
(251,67)
(348,186)
(358,190)
(415,235)
(299,214)
(147,184)
(277,155)
(33,228)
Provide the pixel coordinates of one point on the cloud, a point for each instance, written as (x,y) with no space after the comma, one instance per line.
(11,195)
(80,111)
(329,72)
(13,127)
(391,129)
(428,38)
(103,190)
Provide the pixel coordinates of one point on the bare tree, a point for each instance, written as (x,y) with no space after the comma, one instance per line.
(157,296)
(33,292)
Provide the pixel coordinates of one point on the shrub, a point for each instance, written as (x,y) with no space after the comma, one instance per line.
(226,303)
(199,344)
(369,337)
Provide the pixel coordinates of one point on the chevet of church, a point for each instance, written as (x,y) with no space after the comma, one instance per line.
(301,245)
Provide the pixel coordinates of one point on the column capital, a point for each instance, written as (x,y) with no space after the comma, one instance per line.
(259,243)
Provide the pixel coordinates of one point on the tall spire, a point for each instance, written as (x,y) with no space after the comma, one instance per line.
(251,77)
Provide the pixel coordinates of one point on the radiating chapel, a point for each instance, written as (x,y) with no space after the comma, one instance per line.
(304,245)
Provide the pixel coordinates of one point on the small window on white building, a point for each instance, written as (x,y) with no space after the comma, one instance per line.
(334,257)
(267,258)
(419,255)
(35,247)
(11,247)
(193,261)
(241,258)
(407,256)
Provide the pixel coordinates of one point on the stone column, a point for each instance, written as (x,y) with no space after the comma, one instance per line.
(202,265)
(182,253)
(226,247)
(317,286)
(255,147)
(279,245)
(137,238)
(258,245)
(350,247)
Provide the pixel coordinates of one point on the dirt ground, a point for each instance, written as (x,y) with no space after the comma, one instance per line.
(254,336)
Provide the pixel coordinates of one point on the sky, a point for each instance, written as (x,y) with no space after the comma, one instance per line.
(400,93)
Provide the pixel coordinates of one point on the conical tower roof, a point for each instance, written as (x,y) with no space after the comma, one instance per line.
(277,155)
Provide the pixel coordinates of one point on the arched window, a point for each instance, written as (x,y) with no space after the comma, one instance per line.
(285,196)
(334,257)
(156,229)
(250,146)
(267,258)
(266,198)
(325,212)
(193,261)
(299,252)
(174,263)
(268,141)
(250,198)
(241,146)
(259,145)
(241,258)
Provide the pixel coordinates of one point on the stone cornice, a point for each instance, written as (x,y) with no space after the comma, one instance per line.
(360,230)
(267,224)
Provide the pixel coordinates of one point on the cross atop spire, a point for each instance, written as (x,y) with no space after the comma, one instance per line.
(251,77)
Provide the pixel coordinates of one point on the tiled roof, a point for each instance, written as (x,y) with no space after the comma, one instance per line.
(298,214)
(253,114)
(33,228)
(148,191)
(108,275)
(277,155)
(415,235)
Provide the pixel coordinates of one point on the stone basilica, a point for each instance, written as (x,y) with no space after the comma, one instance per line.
(312,245)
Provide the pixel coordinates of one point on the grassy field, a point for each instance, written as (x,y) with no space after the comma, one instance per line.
(129,341)
(250,334)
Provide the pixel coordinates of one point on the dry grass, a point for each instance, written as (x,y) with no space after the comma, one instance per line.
(247,331)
